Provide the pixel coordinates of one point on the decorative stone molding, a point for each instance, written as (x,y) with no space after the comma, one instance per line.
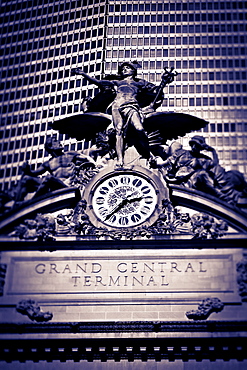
(207,227)
(208,306)
(3,269)
(33,311)
(124,327)
(242,279)
(75,222)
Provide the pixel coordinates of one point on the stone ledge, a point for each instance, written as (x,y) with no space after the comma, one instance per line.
(117,327)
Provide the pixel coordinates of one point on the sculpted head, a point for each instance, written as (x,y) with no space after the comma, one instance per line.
(128,69)
(53,146)
(174,147)
(198,143)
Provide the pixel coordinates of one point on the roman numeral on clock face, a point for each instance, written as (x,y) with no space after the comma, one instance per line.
(123,221)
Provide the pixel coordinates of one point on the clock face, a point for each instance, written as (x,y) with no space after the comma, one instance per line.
(124,200)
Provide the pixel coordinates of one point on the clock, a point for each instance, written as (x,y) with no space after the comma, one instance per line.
(124,199)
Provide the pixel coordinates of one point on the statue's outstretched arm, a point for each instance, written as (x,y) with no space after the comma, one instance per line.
(26,169)
(95,81)
(80,72)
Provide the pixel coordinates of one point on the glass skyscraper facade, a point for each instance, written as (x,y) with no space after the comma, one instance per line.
(41,41)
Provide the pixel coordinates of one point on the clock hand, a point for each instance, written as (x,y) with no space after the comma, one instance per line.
(115,209)
(136,199)
(121,204)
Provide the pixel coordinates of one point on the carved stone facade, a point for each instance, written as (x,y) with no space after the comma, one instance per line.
(69,222)
(110,243)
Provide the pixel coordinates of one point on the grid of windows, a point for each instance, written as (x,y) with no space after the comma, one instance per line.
(207,43)
(40,43)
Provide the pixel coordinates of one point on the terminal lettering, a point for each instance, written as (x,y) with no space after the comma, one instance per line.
(123,274)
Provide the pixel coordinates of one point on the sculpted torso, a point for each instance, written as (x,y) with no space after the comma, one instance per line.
(62,166)
(126,91)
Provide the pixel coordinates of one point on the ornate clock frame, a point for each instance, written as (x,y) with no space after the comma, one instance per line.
(132,175)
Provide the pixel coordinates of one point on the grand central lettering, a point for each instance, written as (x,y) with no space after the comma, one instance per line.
(121,274)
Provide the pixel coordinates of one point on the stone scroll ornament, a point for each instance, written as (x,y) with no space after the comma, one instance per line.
(208,306)
(33,311)
(242,279)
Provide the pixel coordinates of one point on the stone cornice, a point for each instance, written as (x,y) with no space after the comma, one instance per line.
(124,327)
(84,244)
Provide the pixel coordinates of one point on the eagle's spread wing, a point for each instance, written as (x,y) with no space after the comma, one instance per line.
(168,125)
(171,125)
(83,126)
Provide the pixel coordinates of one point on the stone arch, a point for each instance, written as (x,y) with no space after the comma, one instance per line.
(51,202)
(201,202)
